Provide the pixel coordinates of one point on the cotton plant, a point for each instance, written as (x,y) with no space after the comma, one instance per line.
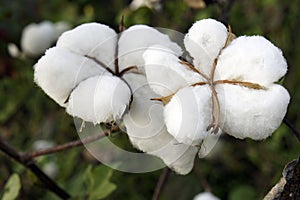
(37,37)
(98,76)
(229,85)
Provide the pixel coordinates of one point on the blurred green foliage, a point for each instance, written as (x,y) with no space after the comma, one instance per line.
(241,167)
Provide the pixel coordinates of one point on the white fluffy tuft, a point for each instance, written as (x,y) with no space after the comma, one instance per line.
(60,70)
(146,129)
(92,39)
(136,39)
(99,99)
(205,196)
(164,72)
(250,113)
(188,114)
(36,38)
(204,41)
(253,59)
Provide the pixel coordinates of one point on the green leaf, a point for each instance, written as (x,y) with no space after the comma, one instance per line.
(12,187)
(98,182)
(245,192)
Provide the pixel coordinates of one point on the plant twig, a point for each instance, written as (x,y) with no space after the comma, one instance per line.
(293,129)
(66,146)
(161,183)
(202,179)
(29,164)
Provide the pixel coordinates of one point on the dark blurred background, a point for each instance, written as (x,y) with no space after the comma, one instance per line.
(242,169)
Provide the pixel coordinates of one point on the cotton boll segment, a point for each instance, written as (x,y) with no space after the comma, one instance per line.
(36,38)
(99,99)
(253,59)
(60,70)
(92,39)
(204,41)
(250,113)
(136,39)
(164,72)
(205,196)
(146,129)
(188,114)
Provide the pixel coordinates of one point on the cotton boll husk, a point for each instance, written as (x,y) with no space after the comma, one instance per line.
(60,70)
(99,99)
(164,72)
(205,196)
(36,38)
(135,40)
(147,132)
(252,59)
(250,113)
(188,114)
(204,41)
(92,39)
(209,143)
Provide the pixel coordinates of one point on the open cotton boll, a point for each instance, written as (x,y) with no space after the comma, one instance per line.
(250,113)
(205,196)
(99,99)
(188,114)
(164,72)
(204,41)
(36,38)
(92,39)
(253,59)
(135,40)
(60,70)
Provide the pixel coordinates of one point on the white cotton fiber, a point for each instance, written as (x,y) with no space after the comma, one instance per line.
(164,73)
(253,59)
(136,39)
(188,114)
(205,196)
(99,99)
(36,38)
(60,70)
(92,39)
(146,129)
(250,113)
(204,41)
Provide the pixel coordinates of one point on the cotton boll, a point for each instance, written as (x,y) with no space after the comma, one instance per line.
(59,71)
(253,59)
(135,40)
(250,113)
(205,196)
(92,39)
(36,38)
(99,99)
(188,114)
(164,72)
(204,41)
